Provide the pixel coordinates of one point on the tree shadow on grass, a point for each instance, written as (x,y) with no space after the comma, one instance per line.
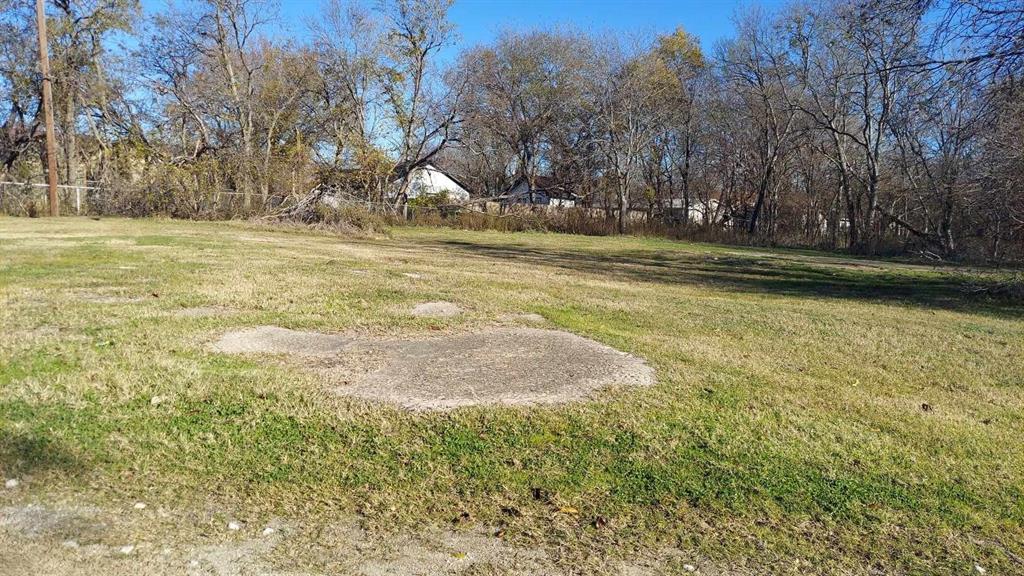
(25,454)
(761,274)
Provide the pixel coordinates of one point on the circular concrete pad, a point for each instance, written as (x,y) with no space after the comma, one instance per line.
(514,366)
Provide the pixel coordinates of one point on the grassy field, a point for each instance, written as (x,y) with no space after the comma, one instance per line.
(813,413)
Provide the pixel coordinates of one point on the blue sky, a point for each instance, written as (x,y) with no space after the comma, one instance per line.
(479,21)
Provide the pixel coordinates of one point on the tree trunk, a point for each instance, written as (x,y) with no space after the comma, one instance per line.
(687,152)
(869,239)
(623,208)
(71,177)
(762,191)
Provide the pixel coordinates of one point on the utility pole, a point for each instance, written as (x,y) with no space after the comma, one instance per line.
(44,67)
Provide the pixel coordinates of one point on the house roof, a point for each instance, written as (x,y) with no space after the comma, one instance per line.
(352,177)
(541,183)
(548,185)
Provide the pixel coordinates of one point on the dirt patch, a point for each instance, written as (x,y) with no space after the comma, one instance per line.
(511,366)
(79,540)
(436,310)
(247,557)
(274,340)
(35,521)
(63,540)
(448,552)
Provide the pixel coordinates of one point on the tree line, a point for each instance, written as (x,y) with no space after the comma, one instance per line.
(867,125)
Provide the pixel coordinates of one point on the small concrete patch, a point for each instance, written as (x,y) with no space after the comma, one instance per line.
(200,312)
(274,340)
(436,310)
(526,317)
(510,366)
(105,298)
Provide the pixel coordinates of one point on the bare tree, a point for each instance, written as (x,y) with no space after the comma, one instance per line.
(20,120)
(878,124)
(518,90)
(421,109)
(349,43)
(630,100)
(682,55)
(754,63)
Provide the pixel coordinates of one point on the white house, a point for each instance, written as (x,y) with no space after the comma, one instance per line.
(546,191)
(697,209)
(429,180)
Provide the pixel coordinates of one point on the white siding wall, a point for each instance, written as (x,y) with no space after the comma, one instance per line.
(430,180)
(697,208)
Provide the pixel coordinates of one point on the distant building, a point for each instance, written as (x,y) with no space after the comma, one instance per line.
(429,180)
(698,210)
(546,191)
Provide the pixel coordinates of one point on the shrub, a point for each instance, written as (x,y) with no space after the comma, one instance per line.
(1009,287)
(349,219)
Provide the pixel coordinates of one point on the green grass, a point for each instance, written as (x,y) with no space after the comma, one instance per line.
(786,431)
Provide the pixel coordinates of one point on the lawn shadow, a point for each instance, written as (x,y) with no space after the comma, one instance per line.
(825,277)
(26,453)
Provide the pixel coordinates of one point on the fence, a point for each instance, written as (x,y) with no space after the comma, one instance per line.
(94,199)
(20,198)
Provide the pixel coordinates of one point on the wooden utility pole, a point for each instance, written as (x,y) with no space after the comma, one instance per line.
(44,67)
